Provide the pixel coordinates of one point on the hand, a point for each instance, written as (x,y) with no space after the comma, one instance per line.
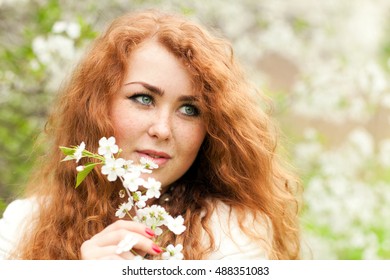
(103,245)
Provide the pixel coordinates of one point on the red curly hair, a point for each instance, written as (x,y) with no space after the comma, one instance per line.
(236,164)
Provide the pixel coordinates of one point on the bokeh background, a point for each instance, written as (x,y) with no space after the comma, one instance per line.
(326,65)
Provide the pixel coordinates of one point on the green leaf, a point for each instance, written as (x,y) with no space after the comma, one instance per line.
(68,158)
(67,151)
(82,174)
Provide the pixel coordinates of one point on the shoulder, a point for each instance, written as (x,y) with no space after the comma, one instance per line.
(15,218)
(232,242)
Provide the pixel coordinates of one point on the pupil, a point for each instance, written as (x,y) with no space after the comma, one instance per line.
(189,110)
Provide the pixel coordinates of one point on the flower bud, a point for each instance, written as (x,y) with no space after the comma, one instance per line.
(80,168)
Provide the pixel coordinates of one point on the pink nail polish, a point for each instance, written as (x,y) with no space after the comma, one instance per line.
(149,232)
(156,248)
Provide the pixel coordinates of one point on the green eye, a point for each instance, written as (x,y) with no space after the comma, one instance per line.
(189,110)
(143,99)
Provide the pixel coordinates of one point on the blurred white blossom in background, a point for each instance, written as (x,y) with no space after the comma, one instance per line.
(56,50)
(327,66)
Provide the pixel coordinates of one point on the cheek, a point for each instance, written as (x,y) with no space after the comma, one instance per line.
(125,125)
(191,140)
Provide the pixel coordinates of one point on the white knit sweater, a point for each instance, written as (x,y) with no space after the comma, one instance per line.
(231,243)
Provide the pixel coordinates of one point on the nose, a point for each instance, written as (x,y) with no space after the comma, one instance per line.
(160,127)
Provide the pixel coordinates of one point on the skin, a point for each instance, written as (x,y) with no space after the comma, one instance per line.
(155,115)
(147,121)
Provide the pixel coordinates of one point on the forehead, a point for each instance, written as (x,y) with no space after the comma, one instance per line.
(153,63)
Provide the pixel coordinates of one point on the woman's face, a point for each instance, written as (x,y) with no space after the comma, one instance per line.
(155,114)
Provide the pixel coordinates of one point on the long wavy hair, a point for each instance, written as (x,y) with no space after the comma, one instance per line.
(237,164)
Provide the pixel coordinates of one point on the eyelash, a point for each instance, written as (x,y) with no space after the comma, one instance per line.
(196,110)
(135,98)
(138,95)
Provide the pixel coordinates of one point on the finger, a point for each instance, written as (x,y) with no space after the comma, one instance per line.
(114,237)
(148,247)
(107,242)
(130,226)
(111,250)
(139,243)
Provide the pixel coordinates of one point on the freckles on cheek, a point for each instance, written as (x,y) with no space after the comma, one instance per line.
(124,129)
(123,126)
(192,139)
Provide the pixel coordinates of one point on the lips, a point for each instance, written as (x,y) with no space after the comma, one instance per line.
(158,157)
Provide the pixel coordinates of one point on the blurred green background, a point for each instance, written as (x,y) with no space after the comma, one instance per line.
(326,64)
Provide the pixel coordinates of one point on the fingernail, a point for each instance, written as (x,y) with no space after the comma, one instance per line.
(149,232)
(156,248)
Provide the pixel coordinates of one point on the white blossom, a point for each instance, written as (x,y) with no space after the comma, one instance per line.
(126,244)
(173,252)
(107,147)
(140,168)
(153,216)
(153,188)
(384,152)
(59,27)
(80,168)
(113,168)
(176,225)
(148,163)
(53,47)
(132,181)
(139,199)
(78,154)
(129,166)
(72,29)
(363,141)
(124,208)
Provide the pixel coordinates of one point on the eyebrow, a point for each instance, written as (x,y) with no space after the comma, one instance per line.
(149,87)
(160,92)
(189,98)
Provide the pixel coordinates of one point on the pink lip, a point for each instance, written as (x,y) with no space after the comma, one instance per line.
(157,157)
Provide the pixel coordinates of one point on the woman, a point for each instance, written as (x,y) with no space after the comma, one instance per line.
(169,91)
